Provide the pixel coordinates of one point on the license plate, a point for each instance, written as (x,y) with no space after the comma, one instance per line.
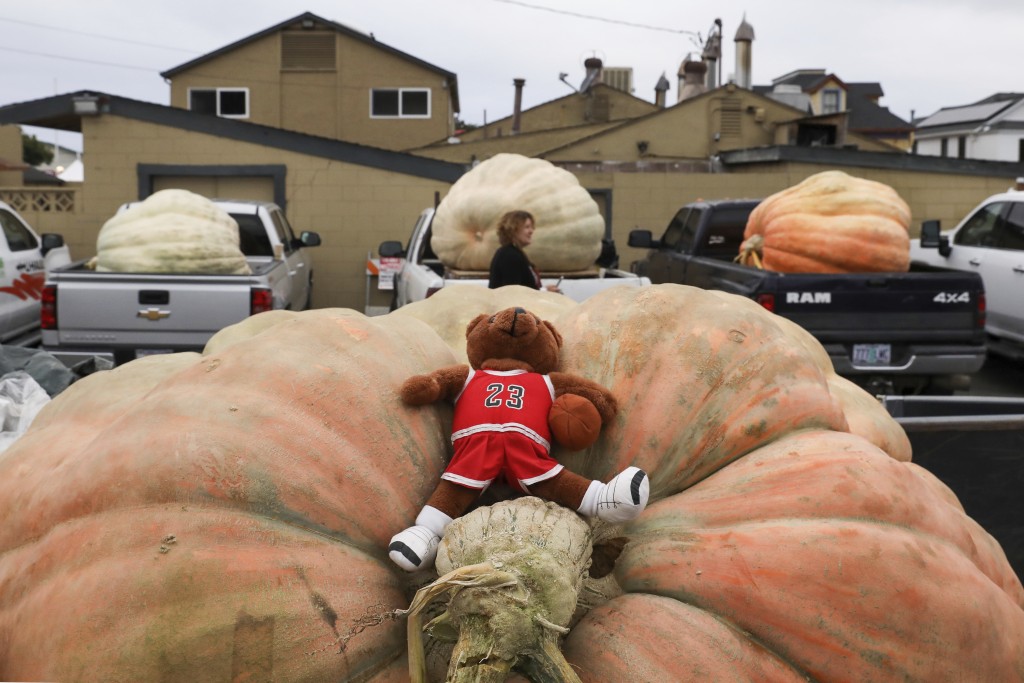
(872,354)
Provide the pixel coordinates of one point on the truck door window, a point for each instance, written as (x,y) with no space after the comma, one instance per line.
(982,228)
(680,232)
(674,231)
(725,233)
(284,231)
(689,236)
(426,251)
(252,236)
(1013,228)
(17,235)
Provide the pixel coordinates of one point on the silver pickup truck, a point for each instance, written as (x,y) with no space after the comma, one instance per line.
(989,241)
(422,274)
(122,316)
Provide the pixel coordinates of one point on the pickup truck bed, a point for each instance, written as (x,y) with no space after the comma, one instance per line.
(975,445)
(121,316)
(422,274)
(890,332)
(145,313)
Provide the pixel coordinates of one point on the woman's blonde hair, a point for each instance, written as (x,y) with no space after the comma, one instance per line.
(509,224)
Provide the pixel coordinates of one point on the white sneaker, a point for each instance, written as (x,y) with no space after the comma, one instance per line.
(621,499)
(414,548)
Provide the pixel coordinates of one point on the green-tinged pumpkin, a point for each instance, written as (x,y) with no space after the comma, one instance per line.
(226,515)
(830,222)
(171,231)
(568,223)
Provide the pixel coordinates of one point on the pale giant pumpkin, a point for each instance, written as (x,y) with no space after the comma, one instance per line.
(569,226)
(171,231)
(831,222)
(226,516)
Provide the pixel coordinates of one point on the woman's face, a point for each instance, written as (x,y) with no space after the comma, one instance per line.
(524,235)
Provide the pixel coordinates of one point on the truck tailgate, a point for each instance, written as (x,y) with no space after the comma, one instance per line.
(903,306)
(165,313)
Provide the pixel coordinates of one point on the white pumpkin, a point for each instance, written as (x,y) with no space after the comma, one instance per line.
(171,231)
(568,224)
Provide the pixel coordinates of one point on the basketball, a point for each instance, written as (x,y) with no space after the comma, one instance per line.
(574,422)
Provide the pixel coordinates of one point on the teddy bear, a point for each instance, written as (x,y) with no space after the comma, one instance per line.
(510,402)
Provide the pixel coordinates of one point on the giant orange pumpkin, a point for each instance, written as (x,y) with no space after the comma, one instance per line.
(831,222)
(225,516)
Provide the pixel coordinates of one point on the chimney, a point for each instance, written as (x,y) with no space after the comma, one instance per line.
(712,56)
(744,39)
(659,91)
(691,81)
(593,65)
(517,109)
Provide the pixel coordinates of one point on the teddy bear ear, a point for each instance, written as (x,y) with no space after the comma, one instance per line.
(554,332)
(474,322)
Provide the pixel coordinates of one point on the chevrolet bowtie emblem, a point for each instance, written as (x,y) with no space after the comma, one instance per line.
(153,314)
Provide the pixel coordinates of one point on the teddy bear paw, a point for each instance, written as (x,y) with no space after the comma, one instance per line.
(624,497)
(414,549)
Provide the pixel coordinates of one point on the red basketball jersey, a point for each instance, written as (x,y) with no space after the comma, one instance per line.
(493,401)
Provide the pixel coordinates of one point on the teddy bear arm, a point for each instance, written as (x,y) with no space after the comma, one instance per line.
(602,399)
(443,383)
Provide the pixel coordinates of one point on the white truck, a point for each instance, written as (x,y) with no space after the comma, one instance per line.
(122,316)
(25,258)
(422,274)
(988,241)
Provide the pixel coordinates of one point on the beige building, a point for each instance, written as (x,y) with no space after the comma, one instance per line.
(315,76)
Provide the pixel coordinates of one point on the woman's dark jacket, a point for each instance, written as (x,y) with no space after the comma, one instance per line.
(510,266)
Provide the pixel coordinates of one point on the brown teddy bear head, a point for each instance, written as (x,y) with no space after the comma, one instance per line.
(512,339)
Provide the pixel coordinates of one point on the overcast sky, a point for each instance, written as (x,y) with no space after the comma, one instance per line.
(926,54)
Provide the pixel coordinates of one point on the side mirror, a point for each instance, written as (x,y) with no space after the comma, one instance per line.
(390,249)
(51,241)
(932,238)
(308,238)
(641,239)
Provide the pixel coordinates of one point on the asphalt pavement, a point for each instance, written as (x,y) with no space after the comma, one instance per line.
(999,376)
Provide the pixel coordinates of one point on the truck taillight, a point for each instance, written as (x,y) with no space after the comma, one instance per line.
(767,301)
(431,291)
(261,299)
(48,311)
(981,310)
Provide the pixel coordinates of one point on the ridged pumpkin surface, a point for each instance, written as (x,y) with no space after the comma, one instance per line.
(226,515)
(833,222)
(569,226)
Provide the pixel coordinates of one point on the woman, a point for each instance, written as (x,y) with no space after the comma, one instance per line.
(510,265)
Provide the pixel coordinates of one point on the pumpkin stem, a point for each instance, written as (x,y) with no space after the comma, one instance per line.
(750,252)
(515,571)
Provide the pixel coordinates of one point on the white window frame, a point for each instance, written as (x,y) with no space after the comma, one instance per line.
(838,100)
(401,115)
(218,92)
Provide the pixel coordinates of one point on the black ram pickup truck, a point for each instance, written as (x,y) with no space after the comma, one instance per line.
(905,333)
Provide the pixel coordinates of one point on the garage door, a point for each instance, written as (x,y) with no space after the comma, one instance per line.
(220,187)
